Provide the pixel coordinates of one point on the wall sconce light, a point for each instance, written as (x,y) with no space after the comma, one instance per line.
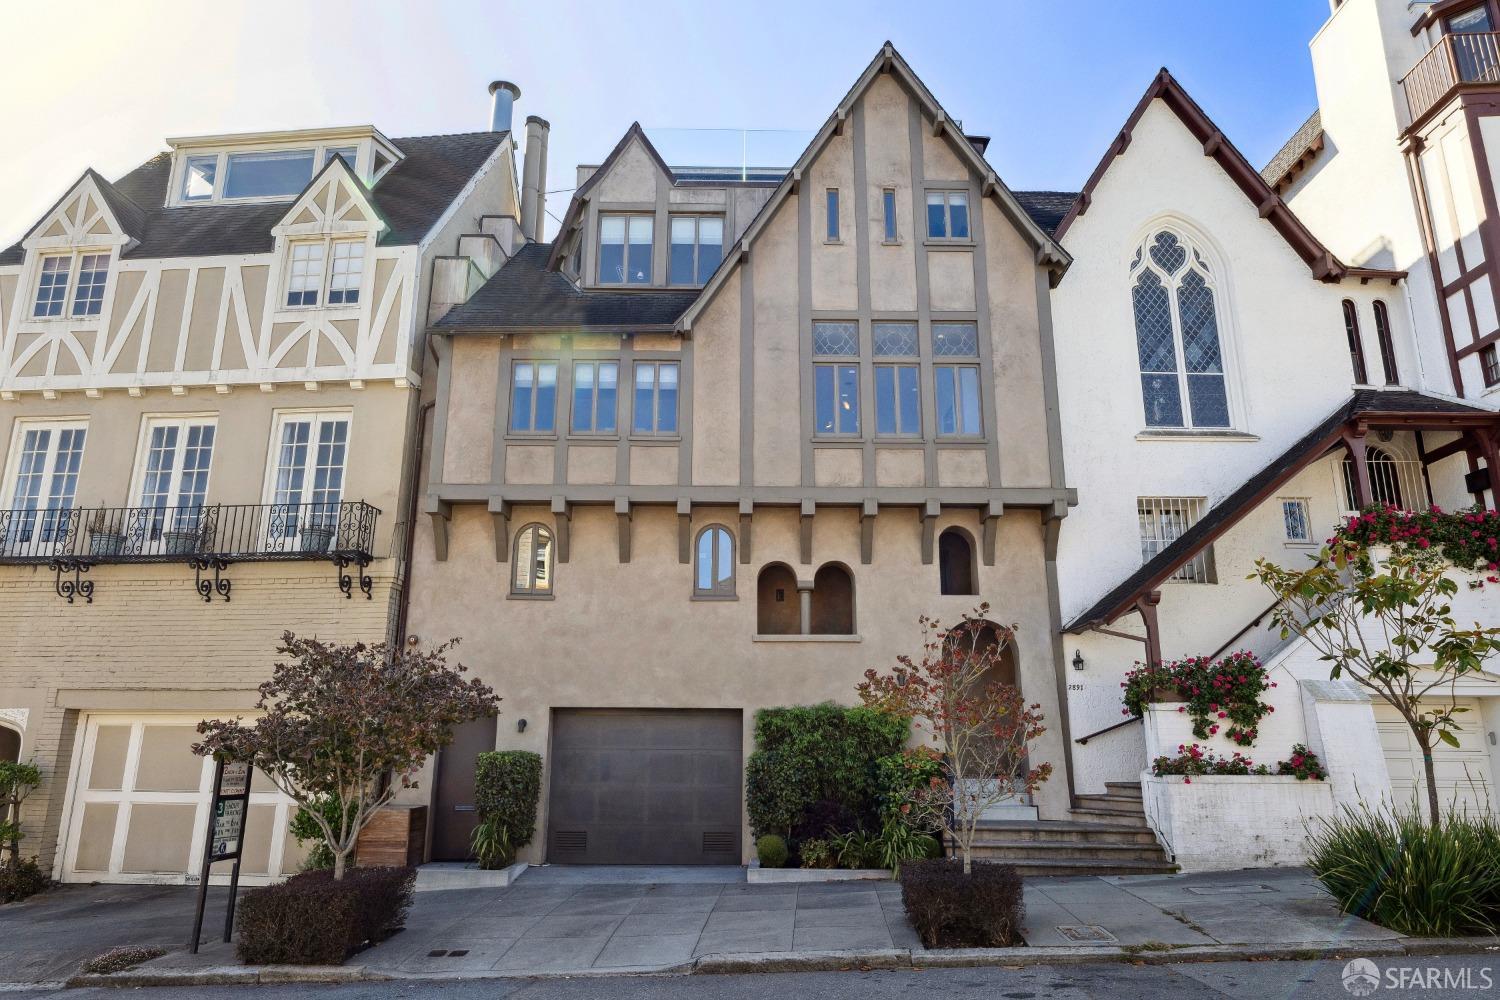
(1077,659)
(521,726)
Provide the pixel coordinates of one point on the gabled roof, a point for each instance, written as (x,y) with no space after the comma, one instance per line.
(347,175)
(1048,251)
(1046,208)
(1305,143)
(574,215)
(527,295)
(1374,406)
(128,215)
(411,196)
(1323,264)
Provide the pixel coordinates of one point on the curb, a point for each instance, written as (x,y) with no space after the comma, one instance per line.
(820,961)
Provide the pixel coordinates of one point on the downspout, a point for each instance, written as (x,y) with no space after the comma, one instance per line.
(409,543)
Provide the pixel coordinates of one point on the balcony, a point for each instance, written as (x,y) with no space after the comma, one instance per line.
(207,537)
(1456,59)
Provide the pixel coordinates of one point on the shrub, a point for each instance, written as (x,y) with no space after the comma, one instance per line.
(1220,694)
(899,777)
(121,959)
(310,919)
(1192,760)
(856,849)
(1417,878)
(1469,538)
(809,755)
(508,784)
(772,851)
(1304,765)
(949,909)
(21,877)
(816,853)
(305,828)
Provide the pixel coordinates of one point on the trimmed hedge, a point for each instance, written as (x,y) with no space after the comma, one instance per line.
(312,920)
(507,787)
(21,877)
(948,909)
(771,850)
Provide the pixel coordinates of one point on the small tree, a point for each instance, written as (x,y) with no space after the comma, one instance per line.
(338,720)
(17,781)
(1390,628)
(980,727)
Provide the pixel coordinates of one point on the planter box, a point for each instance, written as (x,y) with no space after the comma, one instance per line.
(180,543)
(755,873)
(437,875)
(396,835)
(315,538)
(1220,822)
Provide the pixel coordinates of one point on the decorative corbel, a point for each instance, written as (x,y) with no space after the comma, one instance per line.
(500,518)
(622,526)
(562,515)
(1265,208)
(992,517)
(1212,144)
(839,117)
(930,511)
(939,121)
(684,531)
(867,531)
(747,510)
(809,508)
(441,513)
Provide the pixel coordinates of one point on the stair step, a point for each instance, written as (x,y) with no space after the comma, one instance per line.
(1110,803)
(1127,788)
(1086,815)
(1042,867)
(1067,833)
(1067,852)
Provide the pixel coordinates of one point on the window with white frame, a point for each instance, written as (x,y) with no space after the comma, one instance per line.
(178,452)
(1177,335)
(315,265)
(595,394)
(714,557)
(835,348)
(898,394)
(625,249)
(696,249)
(87,274)
(955,372)
(307,477)
(1296,520)
(1162,521)
(43,480)
(655,398)
(533,562)
(265,174)
(947,215)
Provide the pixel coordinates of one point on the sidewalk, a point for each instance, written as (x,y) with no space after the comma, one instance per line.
(570,921)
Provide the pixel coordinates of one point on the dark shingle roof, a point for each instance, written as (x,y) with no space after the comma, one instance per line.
(411,197)
(1224,514)
(1046,208)
(525,295)
(1297,145)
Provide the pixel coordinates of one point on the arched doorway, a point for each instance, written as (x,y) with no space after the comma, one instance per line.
(983,640)
(833,601)
(10,745)
(776,603)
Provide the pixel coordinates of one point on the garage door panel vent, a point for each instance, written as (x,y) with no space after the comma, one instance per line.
(718,842)
(570,841)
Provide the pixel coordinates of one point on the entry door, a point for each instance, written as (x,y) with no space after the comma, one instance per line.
(456,818)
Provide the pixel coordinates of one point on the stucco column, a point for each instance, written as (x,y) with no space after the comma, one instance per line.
(804,606)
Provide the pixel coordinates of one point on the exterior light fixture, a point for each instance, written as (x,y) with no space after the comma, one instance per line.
(1077,659)
(521,726)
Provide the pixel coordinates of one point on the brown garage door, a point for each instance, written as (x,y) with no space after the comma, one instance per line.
(643,787)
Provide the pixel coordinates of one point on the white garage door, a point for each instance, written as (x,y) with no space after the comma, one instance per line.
(139,809)
(1463,774)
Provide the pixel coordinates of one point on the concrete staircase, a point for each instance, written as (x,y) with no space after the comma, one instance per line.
(1107,835)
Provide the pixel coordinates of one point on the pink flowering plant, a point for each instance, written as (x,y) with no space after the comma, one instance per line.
(1467,539)
(1223,694)
(1303,765)
(1193,760)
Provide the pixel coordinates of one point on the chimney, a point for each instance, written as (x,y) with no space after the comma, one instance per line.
(534,178)
(505,95)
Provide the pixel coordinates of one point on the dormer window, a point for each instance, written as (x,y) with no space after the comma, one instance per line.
(272,166)
(87,273)
(268,175)
(625,249)
(313,266)
(198,177)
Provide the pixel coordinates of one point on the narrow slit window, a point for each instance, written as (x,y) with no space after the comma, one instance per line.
(888,206)
(1356,346)
(1387,344)
(833,215)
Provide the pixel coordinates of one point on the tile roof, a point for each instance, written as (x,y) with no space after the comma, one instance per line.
(524,294)
(411,197)
(1294,149)
(1227,512)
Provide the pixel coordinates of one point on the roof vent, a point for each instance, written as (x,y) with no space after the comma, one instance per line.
(505,95)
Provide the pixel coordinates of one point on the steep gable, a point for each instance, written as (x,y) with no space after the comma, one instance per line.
(91,213)
(335,201)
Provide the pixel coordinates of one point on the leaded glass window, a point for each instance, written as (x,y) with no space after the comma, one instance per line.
(1178,346)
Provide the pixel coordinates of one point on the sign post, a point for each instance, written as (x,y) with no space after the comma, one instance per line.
(225,839)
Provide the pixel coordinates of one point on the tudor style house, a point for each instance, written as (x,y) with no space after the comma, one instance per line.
(717,446)
(209,379)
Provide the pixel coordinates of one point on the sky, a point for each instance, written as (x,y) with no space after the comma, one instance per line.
(103,84)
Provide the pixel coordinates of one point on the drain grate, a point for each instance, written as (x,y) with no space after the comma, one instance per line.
(446,953)
(1237,889)
(1085,933)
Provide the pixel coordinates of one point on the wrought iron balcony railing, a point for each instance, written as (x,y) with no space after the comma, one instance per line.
(1460,58)
(207,537)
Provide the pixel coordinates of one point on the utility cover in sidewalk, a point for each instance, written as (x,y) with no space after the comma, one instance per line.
(1228,890)
(1085,933)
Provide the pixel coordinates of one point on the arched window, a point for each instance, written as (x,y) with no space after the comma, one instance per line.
(832,601)
(1356,346)
(10,745)
(1387,346)
(533,562)
(1385,479)
(777,611)
(713,570)
(956,563)
(1177,335)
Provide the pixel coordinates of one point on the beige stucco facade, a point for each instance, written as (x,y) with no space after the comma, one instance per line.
(621,626)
